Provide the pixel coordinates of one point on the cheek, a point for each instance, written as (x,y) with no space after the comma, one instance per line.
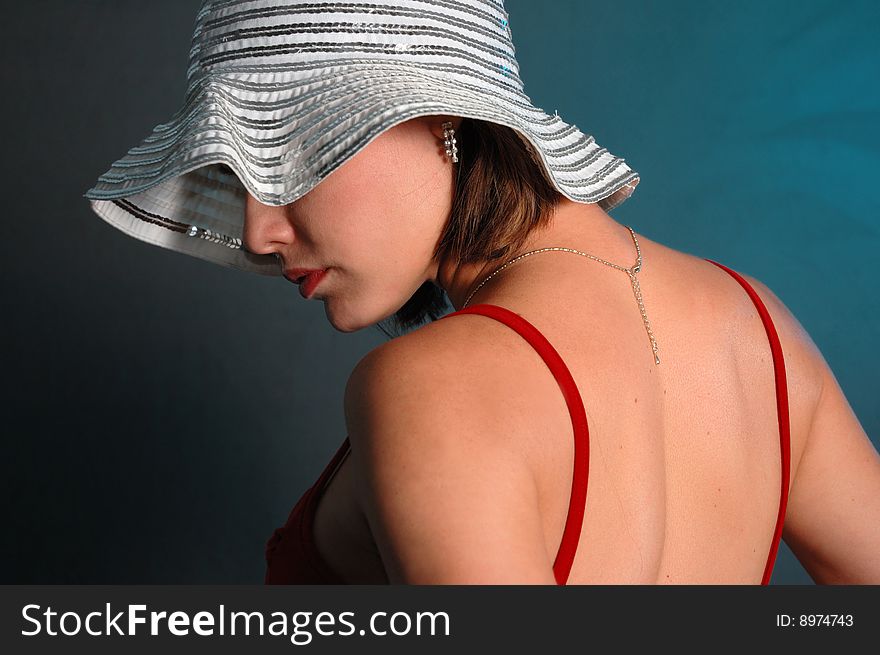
(385,208)
(398,171)
(386,271)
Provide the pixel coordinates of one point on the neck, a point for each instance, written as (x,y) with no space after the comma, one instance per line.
(572,225)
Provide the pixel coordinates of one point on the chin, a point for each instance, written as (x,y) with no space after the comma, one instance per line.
(340,325)
(343,322)
(347,321)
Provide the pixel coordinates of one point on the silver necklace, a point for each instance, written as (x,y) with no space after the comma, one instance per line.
(632,271)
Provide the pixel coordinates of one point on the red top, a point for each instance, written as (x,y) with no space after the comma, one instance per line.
(290,552)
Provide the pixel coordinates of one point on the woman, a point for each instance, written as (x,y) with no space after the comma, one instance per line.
(387,159)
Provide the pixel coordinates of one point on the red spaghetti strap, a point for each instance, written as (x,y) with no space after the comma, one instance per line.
(781,411)
(577,501)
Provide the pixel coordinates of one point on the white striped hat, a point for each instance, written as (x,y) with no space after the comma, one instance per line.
(285,91)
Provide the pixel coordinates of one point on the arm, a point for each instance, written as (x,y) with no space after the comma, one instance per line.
(832,521)
(447,503)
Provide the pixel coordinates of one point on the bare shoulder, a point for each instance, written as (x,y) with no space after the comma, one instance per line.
(405,373)
(802,360)
(832,520)
(712,292)
(786,323)
(804,363)
(832,517)
(433,475)
(433,373)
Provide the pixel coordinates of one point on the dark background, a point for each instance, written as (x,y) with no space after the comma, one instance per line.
(161,414)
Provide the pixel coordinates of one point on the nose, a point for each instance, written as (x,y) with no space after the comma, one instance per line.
(267,229)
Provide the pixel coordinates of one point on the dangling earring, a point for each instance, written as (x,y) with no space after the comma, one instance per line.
(449,141)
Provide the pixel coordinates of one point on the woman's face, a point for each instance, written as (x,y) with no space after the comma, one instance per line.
(373,223)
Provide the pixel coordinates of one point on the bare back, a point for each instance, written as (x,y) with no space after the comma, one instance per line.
(685,462)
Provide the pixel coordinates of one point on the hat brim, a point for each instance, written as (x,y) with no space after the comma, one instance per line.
(283,131)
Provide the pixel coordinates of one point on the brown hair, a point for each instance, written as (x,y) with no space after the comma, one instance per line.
(501,195)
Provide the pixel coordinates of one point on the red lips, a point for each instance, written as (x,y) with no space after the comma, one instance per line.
(295,275)
(307,278)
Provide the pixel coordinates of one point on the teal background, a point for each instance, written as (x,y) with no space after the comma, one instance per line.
(163,414)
